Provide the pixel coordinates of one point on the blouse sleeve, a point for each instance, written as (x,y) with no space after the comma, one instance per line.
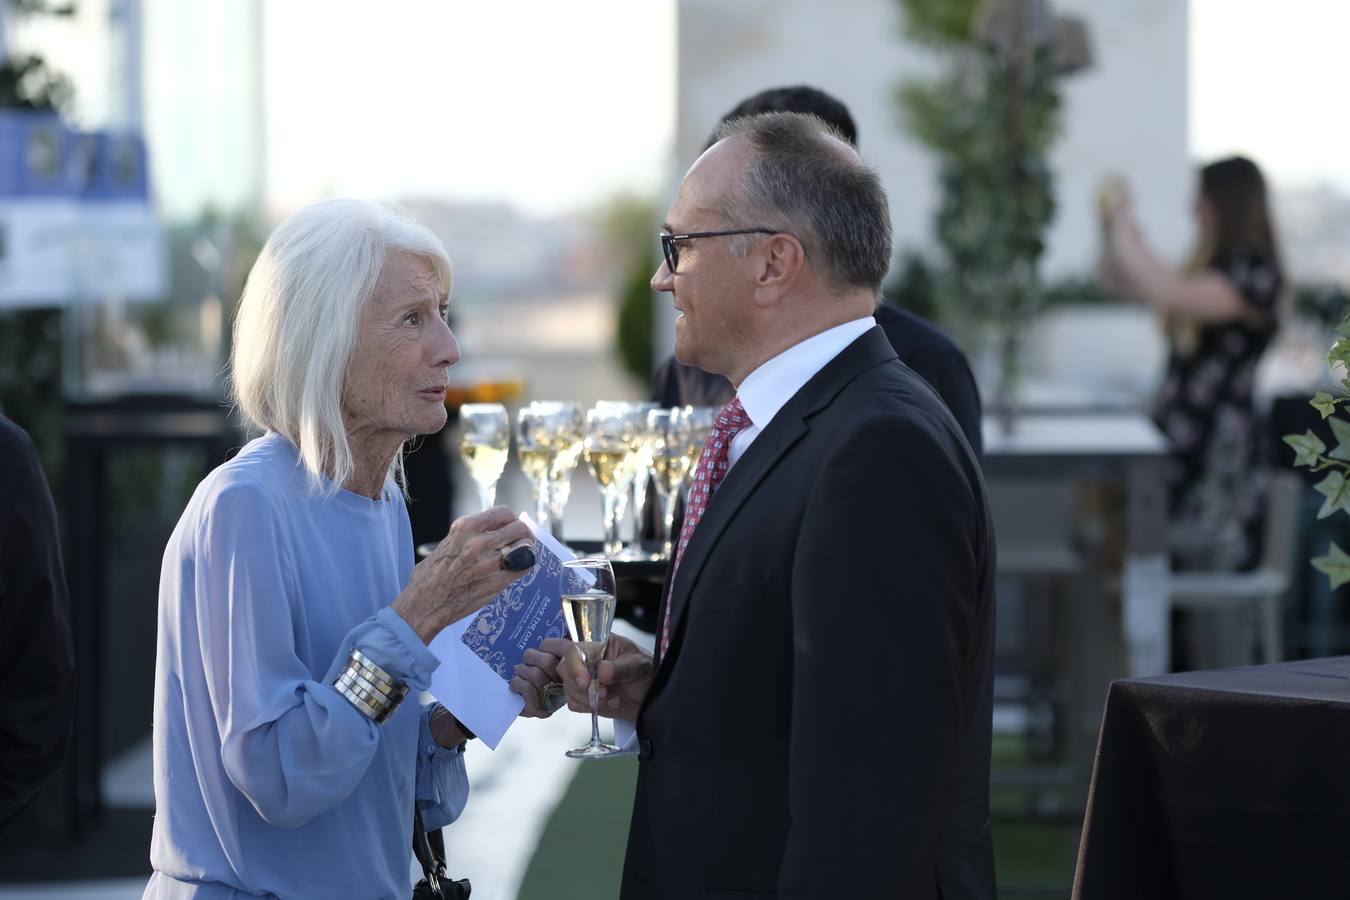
(292,745)
(442,782)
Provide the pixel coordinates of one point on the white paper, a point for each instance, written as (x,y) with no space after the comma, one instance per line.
(468,687)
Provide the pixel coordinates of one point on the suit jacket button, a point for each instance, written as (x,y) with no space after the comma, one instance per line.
(644,749)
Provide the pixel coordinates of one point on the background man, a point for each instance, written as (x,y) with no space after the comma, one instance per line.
(37,668)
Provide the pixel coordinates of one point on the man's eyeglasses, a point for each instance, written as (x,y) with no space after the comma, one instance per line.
(671,250)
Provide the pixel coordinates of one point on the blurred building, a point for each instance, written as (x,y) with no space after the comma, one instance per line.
(188,75)
(1126,114)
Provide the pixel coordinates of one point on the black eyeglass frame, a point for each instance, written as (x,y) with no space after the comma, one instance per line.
(672,252)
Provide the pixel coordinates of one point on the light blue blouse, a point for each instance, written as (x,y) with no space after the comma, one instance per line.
(267,781)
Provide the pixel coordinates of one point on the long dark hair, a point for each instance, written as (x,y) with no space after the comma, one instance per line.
(1236,192)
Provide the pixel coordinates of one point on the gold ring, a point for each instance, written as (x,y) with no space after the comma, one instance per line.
(552,696)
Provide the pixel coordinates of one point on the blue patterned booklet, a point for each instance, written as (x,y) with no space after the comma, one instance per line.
(526,613)
(479,653)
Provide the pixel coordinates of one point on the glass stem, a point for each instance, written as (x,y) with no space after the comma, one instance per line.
(488,494)
(594,693)
(668,522)
(541,506)
(639,505)
(612,542)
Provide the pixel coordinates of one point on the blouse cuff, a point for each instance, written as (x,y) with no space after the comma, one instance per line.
(391,644)
(442,781)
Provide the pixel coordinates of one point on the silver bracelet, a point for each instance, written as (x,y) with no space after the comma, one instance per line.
(372,690)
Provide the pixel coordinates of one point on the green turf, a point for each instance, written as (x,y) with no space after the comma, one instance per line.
(580,853)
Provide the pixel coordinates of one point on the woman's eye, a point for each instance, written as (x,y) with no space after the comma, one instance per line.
(413,318)
(445,311)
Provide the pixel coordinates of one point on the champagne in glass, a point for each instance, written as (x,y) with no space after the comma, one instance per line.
(588,607)
(607,447)
(669,429)
(640,463)
(536,445)
(485,438)
(571,433)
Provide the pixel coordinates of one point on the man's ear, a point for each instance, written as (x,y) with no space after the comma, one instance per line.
(781,260)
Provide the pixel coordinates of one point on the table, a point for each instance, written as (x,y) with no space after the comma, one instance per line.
(1124,447)
(1098,638)
(1231,783)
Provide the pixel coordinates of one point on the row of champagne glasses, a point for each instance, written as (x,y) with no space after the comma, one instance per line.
(624,444)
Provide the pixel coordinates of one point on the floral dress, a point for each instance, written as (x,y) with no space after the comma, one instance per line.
(1216,471)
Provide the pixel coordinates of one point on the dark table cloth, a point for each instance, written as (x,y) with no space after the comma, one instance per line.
(1224,784)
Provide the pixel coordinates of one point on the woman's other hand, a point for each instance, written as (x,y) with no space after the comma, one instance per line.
(462,573)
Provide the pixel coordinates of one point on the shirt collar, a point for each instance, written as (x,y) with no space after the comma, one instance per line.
(765,390)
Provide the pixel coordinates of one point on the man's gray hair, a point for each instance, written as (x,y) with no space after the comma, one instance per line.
(806,181)
(297,324)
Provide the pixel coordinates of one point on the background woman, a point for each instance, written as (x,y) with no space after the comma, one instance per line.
(1220,315)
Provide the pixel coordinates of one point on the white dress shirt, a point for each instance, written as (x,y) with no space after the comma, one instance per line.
(765,390)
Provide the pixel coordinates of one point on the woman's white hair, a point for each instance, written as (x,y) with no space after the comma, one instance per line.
(296,324)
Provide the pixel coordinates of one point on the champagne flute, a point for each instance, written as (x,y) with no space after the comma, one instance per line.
(606,447)
(537,446)
(571,434)
(485,438)
(588,607)
(670,434)
(641,463)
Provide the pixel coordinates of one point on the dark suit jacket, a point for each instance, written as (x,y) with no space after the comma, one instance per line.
(37,673)
(918,343)
(821,725)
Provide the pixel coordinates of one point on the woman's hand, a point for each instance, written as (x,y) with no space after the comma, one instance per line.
(462,573)
(1114,201)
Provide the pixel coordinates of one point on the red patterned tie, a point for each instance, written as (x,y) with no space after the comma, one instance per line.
(712,468)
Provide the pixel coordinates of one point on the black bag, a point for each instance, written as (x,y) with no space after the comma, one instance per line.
(430,851)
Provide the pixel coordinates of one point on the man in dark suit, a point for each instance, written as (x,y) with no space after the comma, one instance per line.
(919,344)
(37,671)
(815,721)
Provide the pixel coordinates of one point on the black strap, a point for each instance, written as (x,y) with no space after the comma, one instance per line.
(429,848)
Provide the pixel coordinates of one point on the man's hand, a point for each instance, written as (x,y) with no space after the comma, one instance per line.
(624,676)
(537,671)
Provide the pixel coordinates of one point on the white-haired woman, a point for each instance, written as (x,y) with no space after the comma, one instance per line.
(292,620)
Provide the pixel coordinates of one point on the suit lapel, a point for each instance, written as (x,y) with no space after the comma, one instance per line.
(785,430)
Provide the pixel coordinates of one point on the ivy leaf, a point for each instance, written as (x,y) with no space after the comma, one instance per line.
(1307,447)
(1343,329)
(1337,491)
(1324,403)
(1340,352)
(1335,565)
(1340,428)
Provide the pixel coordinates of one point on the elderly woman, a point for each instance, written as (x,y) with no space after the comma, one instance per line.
(292,621)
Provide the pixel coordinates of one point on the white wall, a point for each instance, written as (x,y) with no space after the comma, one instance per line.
(1127,114)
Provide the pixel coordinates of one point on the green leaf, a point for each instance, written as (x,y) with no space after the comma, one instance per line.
(1337,491)
(1340,428)
(1340,352)
(1343,329)
(1307,447)
(1335,565)
(1324,403)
